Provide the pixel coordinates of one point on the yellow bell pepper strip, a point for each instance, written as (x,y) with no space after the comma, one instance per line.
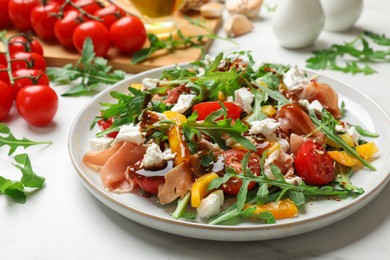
(269,110)
(366,151)
(136,86)
(176,138)
(282,209)
(199,188)
(347,139)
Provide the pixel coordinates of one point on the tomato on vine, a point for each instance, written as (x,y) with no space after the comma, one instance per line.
(43,19)
(97,32)
(128,34)
(4,17)
(21,60)
(22,43)
(64,28)
(109,15)
(19,12)
(37,104)
(25,77)
(5,100)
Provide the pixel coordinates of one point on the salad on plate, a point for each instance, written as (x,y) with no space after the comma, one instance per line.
(230,139)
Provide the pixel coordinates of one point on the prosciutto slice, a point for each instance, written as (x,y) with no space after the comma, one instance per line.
(325,94)
(178,182)
(94,159)
(294,120)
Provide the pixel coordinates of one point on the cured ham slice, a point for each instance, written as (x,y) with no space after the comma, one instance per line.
(178,182)
(94,159)
(325,94)
(294,120)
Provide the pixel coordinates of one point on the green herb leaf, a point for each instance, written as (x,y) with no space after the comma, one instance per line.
(181,211)
(8,139)
(89,73)
(265,216)
(377,38)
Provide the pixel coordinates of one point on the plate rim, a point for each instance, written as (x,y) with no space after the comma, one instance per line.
(352,207)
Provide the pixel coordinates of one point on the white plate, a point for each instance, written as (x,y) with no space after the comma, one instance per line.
(360,110)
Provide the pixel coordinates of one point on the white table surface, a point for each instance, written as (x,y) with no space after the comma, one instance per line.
(64,221)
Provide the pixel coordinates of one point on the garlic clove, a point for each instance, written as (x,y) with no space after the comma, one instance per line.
(249,8)
(211,10)
(237,25)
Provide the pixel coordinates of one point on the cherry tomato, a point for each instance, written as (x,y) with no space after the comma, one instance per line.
(23,44)
(4,75)
(37,104)
(128,34)
(110,14)
(97,32)
(65,27)
(105,124)
(90,6)
(21,60)
(25,77)
(20,11)
(3,60)
(43,20)
(4,17)
(206,108)
(148,184)
(5,100)
(313,164)
(233,159)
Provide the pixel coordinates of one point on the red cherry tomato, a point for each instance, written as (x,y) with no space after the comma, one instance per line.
(97,32)
(5,100)
(4,75)
(23,44)
(4,17)
(206,108)
(37,104)
(148,184)
(22,60)
(105,124)
(3,60)
(128,34)
(65,27)
(313,164)
(233,159)
(25,77)
(43,20)
(20,11)
(109,14)
(90,6)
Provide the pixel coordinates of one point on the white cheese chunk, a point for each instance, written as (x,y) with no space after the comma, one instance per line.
(258,64)
(315,105)
(100,144)
(183,103)
(295,79)
(149,83)
(211,205)
(355,135)
(244,98)
(266,127)
(340,128)
(130,133)
(153,157)
(168,155)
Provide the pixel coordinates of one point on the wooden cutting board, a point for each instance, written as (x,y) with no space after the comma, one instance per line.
(57,55)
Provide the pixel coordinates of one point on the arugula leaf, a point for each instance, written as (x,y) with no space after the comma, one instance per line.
(364,132)
(15,189)
(343,178)
(265,216)
(354,56)
(87,75)
(327,126)
(7,138)
(180,211)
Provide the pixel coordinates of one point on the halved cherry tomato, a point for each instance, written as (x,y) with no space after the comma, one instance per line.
(23,60)
(148,184)
(25,77)
(206,108)
(97,32)
(37,104)
(105,124)
(233,159)
(5,100)
(109,14)
(313,164)
(23,44)
(43,19)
